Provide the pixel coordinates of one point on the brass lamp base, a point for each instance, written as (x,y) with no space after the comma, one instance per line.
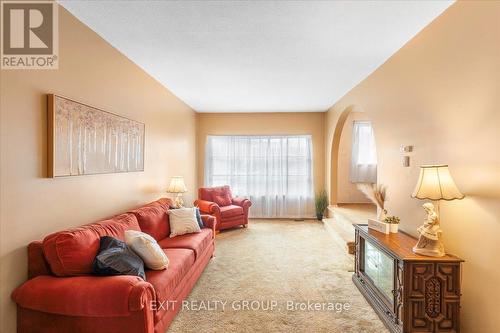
(179,203)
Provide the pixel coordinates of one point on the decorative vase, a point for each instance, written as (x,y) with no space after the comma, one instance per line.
(379,226)
(394,228)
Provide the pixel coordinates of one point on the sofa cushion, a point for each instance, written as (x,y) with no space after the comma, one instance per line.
(197,242)
(231,211)
(164,282)
(209,193)
(153,220)
(183,221)
(71,252)
(198,218)
(37,264)
(116,258)
(222,200)
(166,203)
(147,248)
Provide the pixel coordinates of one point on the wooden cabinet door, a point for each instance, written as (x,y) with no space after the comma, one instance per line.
(432,291)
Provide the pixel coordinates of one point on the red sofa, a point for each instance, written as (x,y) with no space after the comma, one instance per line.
(62,296)
(233,214)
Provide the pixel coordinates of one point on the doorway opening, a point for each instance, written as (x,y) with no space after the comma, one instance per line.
(353,158)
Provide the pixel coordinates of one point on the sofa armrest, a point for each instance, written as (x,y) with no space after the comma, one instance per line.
(242,202)
(210,222)
(207,207)
(85,296)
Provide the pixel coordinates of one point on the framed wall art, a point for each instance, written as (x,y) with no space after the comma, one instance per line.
(85,140)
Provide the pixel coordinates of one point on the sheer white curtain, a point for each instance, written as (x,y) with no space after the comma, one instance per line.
(364,154)
(274,172)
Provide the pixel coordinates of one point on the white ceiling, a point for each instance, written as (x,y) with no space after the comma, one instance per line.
(261,56)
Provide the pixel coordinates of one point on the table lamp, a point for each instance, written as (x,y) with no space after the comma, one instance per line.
(434,183)
(178,187)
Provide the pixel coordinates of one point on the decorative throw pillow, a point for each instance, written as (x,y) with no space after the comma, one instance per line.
(183,221)
(198,218)
(116,258)
(147,249)
(222,199)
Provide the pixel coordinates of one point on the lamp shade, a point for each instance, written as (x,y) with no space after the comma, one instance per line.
(177,185)
(435,183)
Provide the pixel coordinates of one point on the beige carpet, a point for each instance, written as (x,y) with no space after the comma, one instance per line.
(267,265)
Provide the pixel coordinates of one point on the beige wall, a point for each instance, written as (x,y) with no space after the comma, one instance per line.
(347,191)
(441,94)
(265,124)
(32,206)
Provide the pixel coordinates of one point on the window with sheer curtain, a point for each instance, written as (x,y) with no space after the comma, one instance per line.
(364,154)
(274,172)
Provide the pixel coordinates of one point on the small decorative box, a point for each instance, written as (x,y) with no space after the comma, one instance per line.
(379,226)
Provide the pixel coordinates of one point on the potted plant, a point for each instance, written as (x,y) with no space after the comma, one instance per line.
(321,203)
(394,223)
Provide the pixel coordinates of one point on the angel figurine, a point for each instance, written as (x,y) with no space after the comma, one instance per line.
(429,243)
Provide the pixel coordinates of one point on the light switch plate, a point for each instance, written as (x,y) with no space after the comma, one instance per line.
(406,161)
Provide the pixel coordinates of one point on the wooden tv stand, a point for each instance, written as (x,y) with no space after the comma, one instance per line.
(409,292)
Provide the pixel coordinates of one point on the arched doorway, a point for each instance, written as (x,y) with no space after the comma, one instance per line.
(341,189)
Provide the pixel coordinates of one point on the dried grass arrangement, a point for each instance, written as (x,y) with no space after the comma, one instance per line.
(377,194)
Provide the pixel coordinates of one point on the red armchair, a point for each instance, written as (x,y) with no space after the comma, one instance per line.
(219,202)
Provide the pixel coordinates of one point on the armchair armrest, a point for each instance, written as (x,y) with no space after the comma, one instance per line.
(210,222)
(207,207)
(242,202)
(85,296)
